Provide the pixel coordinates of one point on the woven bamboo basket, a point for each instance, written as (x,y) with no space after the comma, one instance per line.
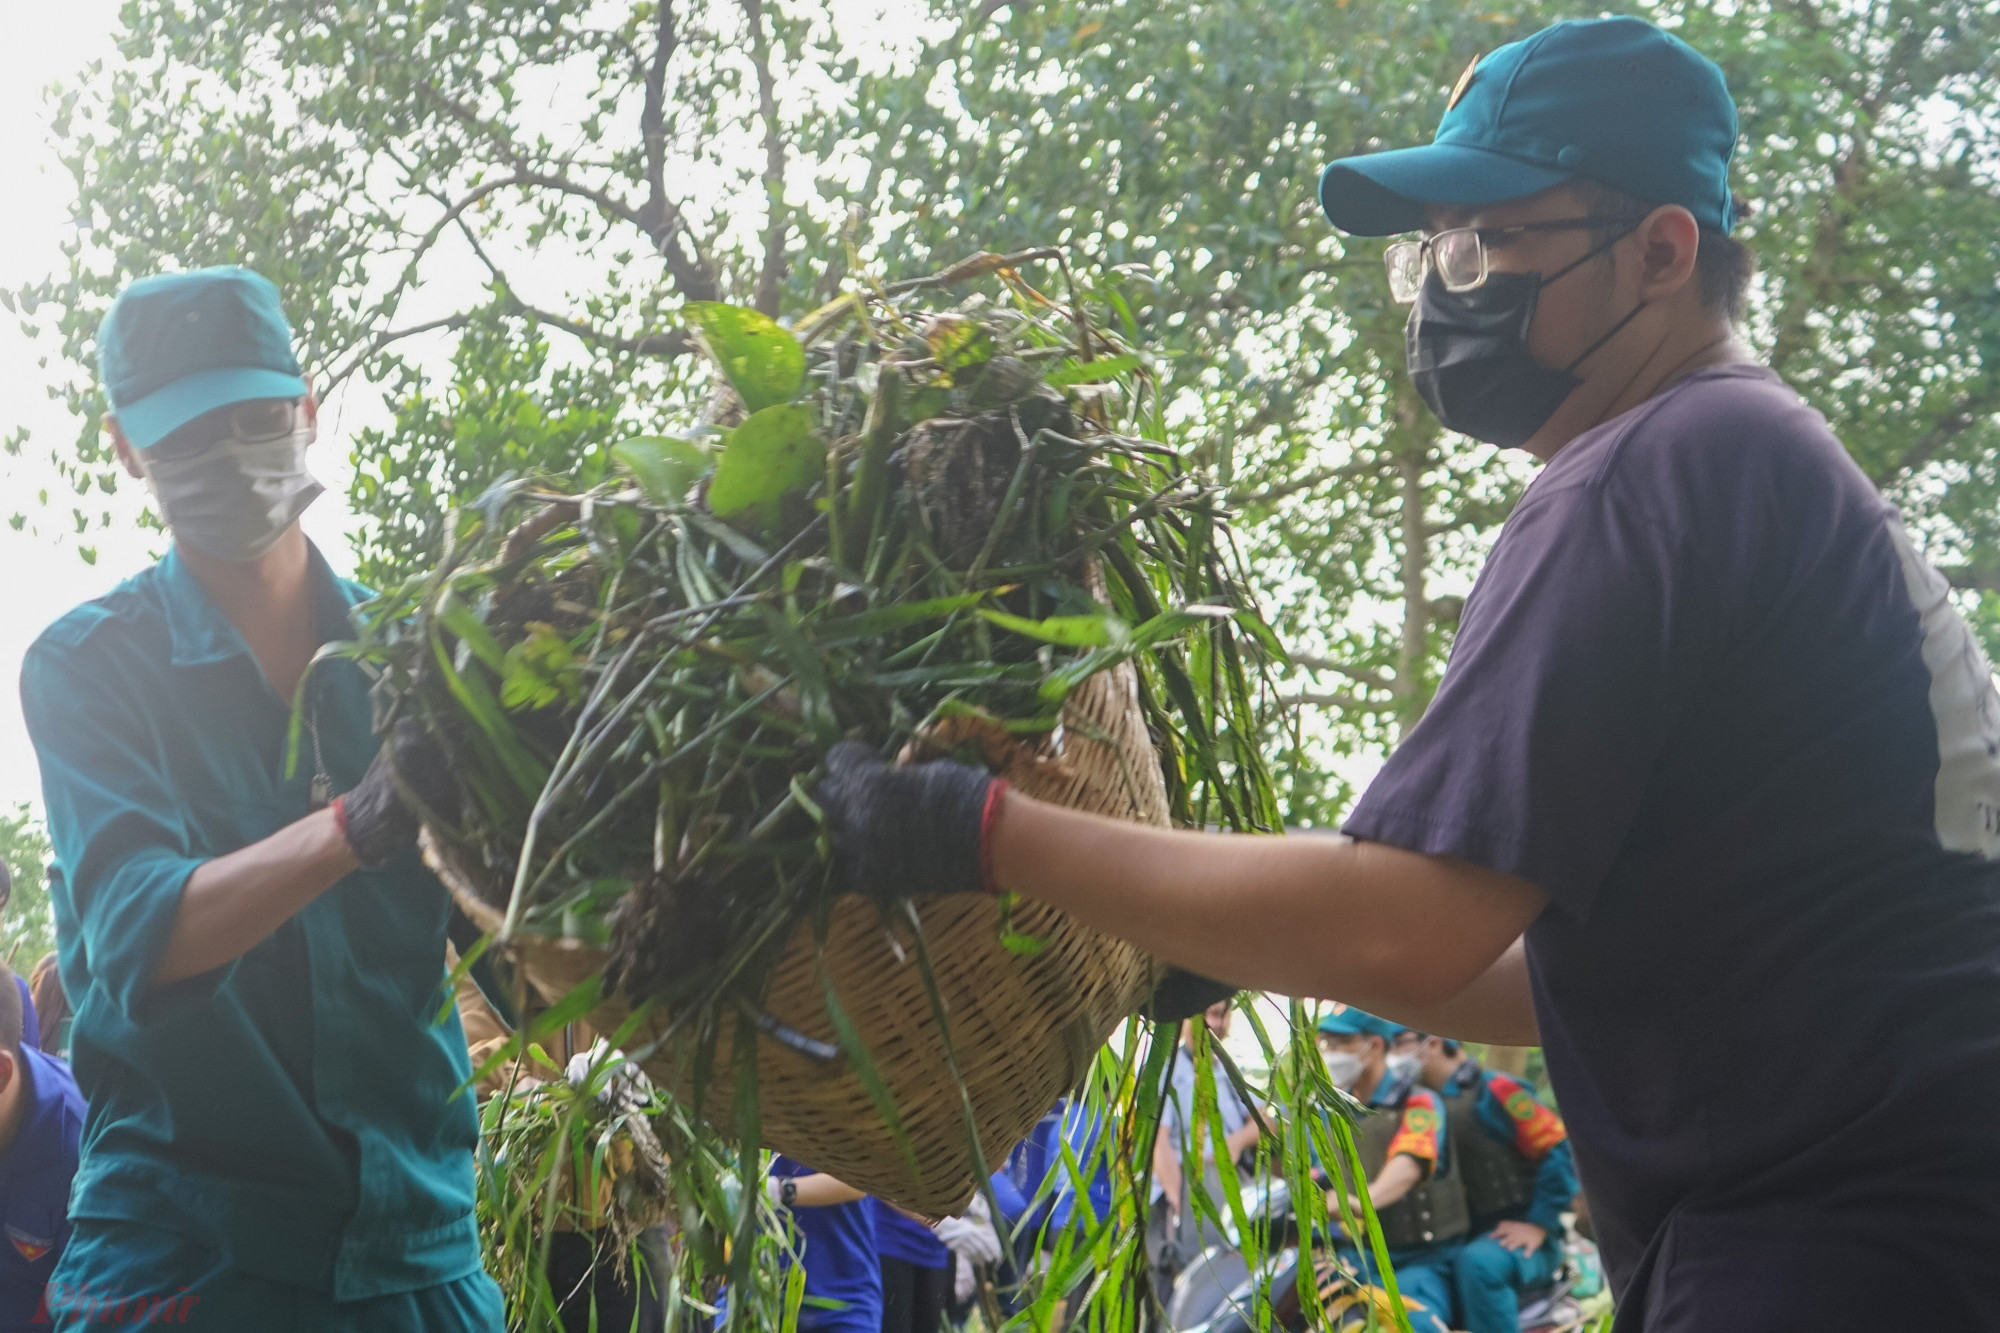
(1023,1028)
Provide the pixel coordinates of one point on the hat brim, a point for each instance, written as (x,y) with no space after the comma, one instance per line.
(146,421)
(1381,194)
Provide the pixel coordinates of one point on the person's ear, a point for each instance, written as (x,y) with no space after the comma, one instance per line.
(1667,241)
(126,453)
(10,1068)
(310,406)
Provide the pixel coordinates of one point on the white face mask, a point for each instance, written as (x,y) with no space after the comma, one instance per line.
(1403,1067)
(234,499)
(1344,1068)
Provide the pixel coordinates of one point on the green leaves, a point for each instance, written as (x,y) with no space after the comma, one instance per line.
(767,457)
(957,344)
(1067,631)
(762,360)
(666,468)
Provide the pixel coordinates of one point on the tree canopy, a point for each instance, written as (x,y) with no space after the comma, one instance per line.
(531,192)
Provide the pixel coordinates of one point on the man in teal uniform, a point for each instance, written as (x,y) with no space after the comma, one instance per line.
(1514,1156)
(255,963)
(1412,1181)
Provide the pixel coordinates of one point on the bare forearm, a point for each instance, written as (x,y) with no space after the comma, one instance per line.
(1304,915)
(1402,1174)
(1497,1008)
(1243,1139)
(234,901)
(823,1191)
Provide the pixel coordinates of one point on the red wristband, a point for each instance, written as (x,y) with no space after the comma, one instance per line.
(989,815)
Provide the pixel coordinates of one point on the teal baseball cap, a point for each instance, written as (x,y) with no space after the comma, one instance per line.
(1616,100)
(176,345)
(1349,1021)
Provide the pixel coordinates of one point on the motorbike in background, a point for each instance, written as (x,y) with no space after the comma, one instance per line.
(1217,1292)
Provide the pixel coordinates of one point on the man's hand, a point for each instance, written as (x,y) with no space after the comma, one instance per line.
(377,817)
(973,1236)
(1519,1236)
(909,828)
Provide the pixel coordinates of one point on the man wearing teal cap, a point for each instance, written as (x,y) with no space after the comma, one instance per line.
(274,1136)
(1413,1183)
(1708,800)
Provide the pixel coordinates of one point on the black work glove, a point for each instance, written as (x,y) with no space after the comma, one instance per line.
(906,828)
(377,815)
(1183,994)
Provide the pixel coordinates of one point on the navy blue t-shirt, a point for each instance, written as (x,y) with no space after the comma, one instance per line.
(1707,697)
(35,1175)
(843,1270)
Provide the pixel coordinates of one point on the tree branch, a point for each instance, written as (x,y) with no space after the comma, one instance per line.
(1374,680)
(1972,578)
(778,223)
(659,217)
(1345,702)
(674,342)
(381,341)
(1964,414)
(1305,481)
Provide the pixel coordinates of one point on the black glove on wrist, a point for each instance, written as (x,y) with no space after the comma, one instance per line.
(905,829)
(376,816)
(1183,994)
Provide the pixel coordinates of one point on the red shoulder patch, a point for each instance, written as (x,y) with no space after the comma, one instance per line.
(1421,1132)
(1536,1128)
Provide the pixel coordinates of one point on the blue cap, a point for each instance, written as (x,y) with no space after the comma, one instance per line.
(176,345)
(1348,1021)
(1616,100)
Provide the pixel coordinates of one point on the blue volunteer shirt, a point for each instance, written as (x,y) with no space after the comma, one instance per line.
(31,1022)
(900,1236)
(843,1269)
(35,1176)
(295,1109)
(1038,1184)
(1707,697)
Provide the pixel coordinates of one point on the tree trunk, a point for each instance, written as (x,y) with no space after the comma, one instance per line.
(1412,692)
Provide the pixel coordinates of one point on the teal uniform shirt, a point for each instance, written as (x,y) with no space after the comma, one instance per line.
(296,1110)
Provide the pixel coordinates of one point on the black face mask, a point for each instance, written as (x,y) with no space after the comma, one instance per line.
(1468,355)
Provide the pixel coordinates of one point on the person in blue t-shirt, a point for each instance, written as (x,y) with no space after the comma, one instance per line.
(916,1271)
(836,1245)
(31,1023)
(1519,1175)
(1412,1180)
(41,1119)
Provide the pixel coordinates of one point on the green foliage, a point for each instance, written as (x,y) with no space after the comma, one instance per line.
(771,455)
(28,928)
(505,411)
(354,153)
(763,362)
(1182,142)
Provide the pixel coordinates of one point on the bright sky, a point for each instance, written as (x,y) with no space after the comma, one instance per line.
(46,576)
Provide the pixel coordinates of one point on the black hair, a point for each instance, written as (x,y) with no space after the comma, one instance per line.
(12,1016)
(1723,265)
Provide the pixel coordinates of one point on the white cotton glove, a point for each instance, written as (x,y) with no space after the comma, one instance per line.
(964,1281)
(972,1236)
(621,1088)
